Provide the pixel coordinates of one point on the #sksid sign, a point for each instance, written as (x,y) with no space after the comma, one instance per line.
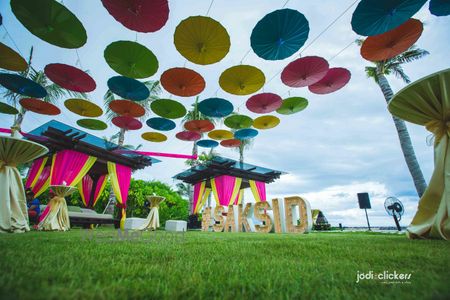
(293,214)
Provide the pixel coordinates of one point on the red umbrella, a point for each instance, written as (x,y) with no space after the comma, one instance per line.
(39,106)
(304,71)
(127,123)
(189,136)
(264,103)
(70,78)
(335,79)
(392,43)
(139,15)
(199,125)
(182,82)
(127,108)
(232,143)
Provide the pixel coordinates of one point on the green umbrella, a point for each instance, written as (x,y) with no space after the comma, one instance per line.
(167,108)
(8,109)
(92,124)
(292,105)
(50,21)
(131,59)
(238,122)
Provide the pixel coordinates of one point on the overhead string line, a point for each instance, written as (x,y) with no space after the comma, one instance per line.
(12,40)
(209,8)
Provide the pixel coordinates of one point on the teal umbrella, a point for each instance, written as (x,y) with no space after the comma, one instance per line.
(128,88)
(372,17)
(207,143)
(440,7)
(50,21)
(131,59)
(215,107)
(279,34)
(161,124)
(22,85)
(245,134)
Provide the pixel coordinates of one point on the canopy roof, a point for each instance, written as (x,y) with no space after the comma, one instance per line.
(225,166)
(58,136)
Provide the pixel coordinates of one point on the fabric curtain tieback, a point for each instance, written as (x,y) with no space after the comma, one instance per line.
(439,128)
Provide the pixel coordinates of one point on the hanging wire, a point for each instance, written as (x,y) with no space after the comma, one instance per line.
(78,59)
(247,53)
(12,40)
(342,50)
(209,8)
(285,3)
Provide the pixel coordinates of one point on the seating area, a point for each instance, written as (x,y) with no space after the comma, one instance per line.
(84,216)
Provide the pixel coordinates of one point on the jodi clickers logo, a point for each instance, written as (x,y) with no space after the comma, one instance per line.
(387,277)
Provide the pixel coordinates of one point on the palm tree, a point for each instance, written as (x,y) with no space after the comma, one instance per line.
(378,73)
(54,91)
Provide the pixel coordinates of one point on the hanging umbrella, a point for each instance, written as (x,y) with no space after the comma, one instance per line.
(207,143)
(266,122)
(8,109)
(92,124)
(426,102)
(242,80)
(264,103)
(169,109)
(279,34)
(231,143)
(70,78)
(201,40)
(304,71)
(127,122)
(128,88)
(154,137)
(245,134)
(199,126)
(22,85)
(83,108)
(182,82)
(215,107)
(39,106)
(238,122)
(220,134)
(50,21)
(127,108)
(11,60)
(131,59)
(189,136)
(392,43)
(292,105)
(440,7)
(372,17)
(139,15)
(161,124)
(335,79)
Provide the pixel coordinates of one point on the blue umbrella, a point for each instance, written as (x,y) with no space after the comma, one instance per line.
(207,143)
(22,85)
(372,17)
(162,124)
(244,134)
(128,88)
(440,7)
(215,107)
(279,34)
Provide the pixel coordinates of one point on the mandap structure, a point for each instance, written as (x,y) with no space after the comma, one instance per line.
(79,160)
(226,179)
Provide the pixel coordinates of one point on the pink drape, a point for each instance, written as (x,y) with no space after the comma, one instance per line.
(224,187)
(34,170)
(67,164)
(87,187)
(37,188)
(123,174)
(261,187)
(197,188)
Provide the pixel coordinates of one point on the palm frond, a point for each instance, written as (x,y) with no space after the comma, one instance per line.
(397,70)
(410,55)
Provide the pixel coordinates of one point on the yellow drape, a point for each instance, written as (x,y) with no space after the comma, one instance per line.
(254,191)
(206,194)
(236,189)
(116,189)
(199,196)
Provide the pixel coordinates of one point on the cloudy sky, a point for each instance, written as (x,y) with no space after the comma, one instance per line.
(342,144)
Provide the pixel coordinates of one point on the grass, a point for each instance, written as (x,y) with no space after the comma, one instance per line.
(200,265)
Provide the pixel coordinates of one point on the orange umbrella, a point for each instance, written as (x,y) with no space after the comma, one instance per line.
(83,108)
(127,108)
(182,82)
(392,43)
(231,143)
(199,125)
(39,106)
(11,60)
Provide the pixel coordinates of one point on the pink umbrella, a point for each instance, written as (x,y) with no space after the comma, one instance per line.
(188,136)
(304,71)
(70,78)
(127,123)
(264,103)
(335,79)
(139,15)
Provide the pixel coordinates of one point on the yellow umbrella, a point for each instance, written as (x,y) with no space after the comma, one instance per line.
(220,134)
(266,122)
(242,80)
(11,60)
(84,108)
(202,40)
(426,102)
(154,137)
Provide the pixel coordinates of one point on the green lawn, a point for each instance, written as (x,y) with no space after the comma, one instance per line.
(74,265)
